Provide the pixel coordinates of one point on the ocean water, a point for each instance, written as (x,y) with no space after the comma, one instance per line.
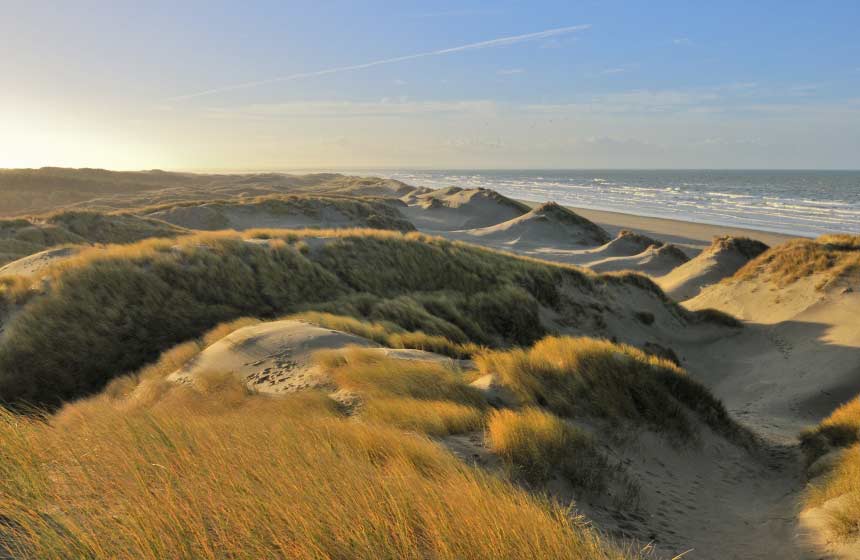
(806,203)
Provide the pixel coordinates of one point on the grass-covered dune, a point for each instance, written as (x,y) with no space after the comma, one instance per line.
(834,257)
(37,191)
(833,452)
(25,236)
(283,211)
(153,469)
(109,310)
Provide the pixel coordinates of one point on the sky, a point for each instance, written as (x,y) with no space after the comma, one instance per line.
(283,85)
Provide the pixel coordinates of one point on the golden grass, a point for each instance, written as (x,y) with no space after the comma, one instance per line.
(538,445)
(198,475)
(840,429)
(388,334)
(588,377)
(365,370)
(842,486)
(431,417)
(833,256)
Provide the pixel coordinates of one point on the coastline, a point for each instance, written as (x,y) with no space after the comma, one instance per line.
(692,236)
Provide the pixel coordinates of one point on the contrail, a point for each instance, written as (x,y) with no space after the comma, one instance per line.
(502,41)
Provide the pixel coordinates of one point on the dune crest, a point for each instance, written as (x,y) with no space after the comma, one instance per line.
(547,225)
(725,256)
(454,209)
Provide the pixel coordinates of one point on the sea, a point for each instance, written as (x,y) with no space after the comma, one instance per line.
(804,203)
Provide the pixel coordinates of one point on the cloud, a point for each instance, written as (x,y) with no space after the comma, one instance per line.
(509,71)
(618,70)
(341,109)
(682,41)
(492,43)
(475,144)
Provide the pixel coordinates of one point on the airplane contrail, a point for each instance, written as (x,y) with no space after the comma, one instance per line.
(502,41)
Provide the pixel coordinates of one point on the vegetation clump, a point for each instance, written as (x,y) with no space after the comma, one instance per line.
(835,257)
(537,445)
(419,395)
(838,487)
(840,429)
(22,237)
(576,377)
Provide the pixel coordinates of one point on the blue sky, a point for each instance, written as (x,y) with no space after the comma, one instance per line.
(199,85)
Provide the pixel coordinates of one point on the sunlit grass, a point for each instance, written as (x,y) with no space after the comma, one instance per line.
(588,377)
(196,474)
(833,256)
(538,445)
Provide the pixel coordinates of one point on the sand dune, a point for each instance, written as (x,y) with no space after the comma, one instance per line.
(547,225)
(292,212)
(799,356)
(722,259)
(32,265)
(653,261)
(626,244)
(277,356)
(458,209)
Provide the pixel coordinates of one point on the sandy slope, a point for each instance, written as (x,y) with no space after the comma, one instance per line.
(276,357)
(457,209)
(285,213)
(547,225)
(34,264)
(798,358)
(725,256)
(653,261)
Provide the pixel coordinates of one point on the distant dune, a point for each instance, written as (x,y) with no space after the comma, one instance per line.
(546,225)
(457,209)
(284,212)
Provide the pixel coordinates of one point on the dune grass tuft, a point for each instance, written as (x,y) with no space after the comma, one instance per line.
(537,445)
(432,417)
(840,484)
(425,396)
(839,491)
(587,377)
(840,429)
(833,256)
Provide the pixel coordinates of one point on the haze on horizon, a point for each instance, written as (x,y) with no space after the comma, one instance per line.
(223,85)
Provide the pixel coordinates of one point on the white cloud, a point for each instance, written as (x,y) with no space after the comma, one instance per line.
(682,41)
(509,71)
(618,70)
